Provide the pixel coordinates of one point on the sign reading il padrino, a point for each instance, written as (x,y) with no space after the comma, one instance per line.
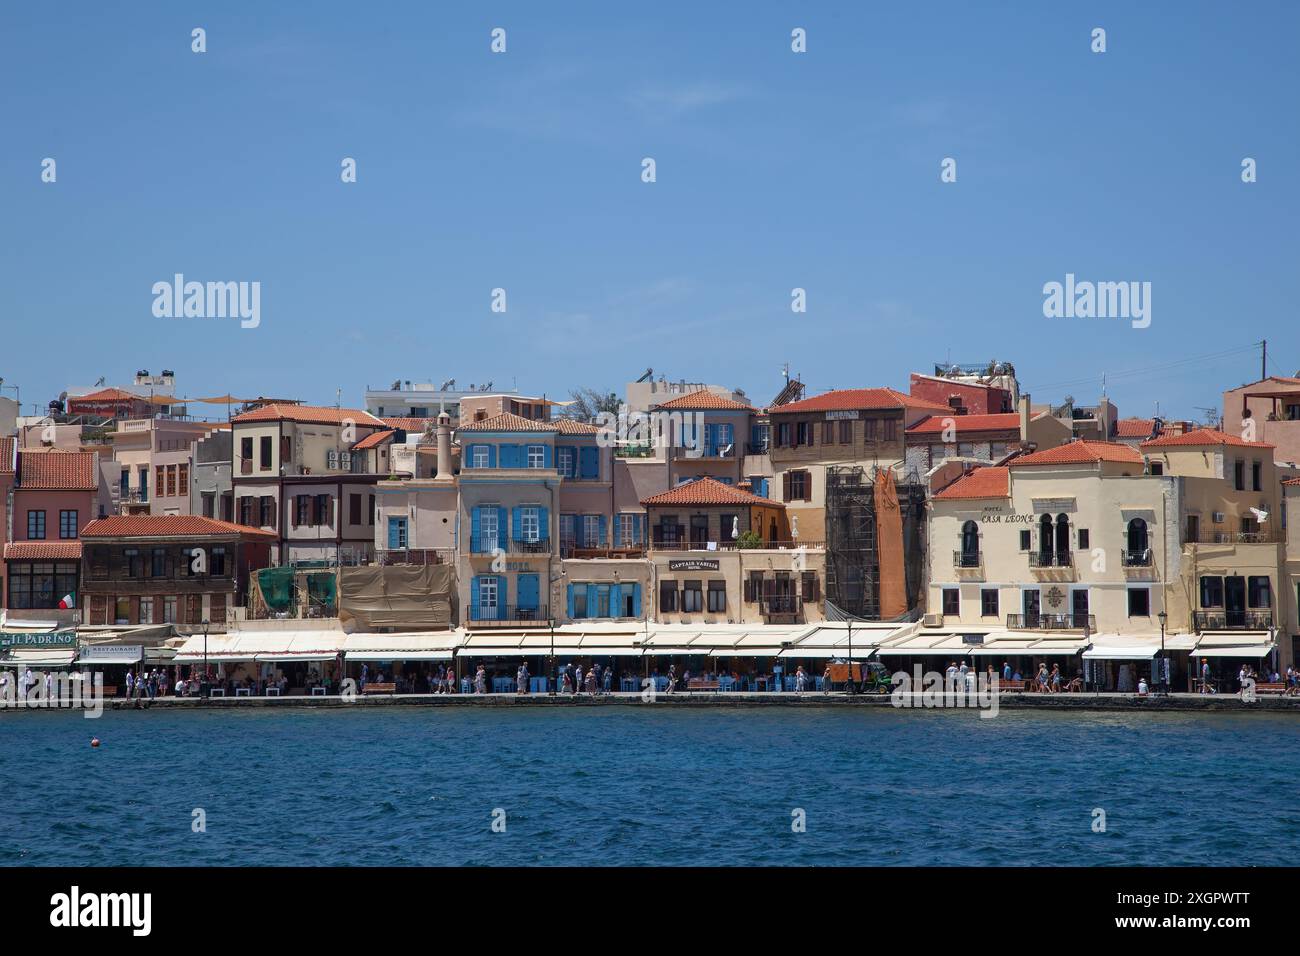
(37,639)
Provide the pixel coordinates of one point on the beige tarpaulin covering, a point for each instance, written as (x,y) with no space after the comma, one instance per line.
(400,595)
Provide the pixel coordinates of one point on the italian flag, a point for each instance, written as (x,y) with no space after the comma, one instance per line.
(68,602)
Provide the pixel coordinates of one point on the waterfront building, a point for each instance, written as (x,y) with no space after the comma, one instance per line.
(168,569)
(55,495)
(424,400)
(706,434)
(1232,538)
(720,554)
(295,471)
(7,452)
(970,389)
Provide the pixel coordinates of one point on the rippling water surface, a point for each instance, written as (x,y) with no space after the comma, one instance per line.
(643,785)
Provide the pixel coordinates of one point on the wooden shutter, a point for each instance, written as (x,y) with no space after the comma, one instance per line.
(274,516)
(785,487)
(296,509)
(329,510)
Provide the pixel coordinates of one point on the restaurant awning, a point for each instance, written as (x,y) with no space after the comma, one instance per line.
(434,646)
(270,647)
(666,651)
(745,651)
(1253,651)
(827,652)
(38,657)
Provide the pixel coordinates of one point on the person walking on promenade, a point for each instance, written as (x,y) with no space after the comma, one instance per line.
(591,680)
(566,681)
(672,677)
(826,680)
(1006,670)
(480,680)
(1056,678)
(950,676)
(962,671)
(1205,676)
(1042,678)
(130,684)
(596,682)
(365,674)
(521,679)
(609,678)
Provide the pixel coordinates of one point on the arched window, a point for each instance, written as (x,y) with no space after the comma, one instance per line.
(970,544)
(1137,537)
(1045,539)
(1062,540)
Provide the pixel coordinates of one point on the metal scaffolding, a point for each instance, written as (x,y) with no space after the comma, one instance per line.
(852,545)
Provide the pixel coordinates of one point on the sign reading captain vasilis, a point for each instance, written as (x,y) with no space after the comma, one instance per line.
(694,564)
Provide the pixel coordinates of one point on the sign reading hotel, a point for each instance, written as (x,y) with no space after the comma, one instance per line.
(694,564)
(37,639)
(842,414)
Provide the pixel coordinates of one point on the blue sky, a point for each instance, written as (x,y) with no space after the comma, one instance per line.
(522,171)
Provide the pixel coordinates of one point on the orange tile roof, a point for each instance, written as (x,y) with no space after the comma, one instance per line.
(307,415)
(106,395)
(708,491)
(408,423)
(1201,437)
(1134,427)
(568,426)
(57,471)
(151,526)
(981,483)
(7,455)
(508,422)
(1081,452)
(374,439)
(868,399)
(705,401)
(1001,422)
(43,551)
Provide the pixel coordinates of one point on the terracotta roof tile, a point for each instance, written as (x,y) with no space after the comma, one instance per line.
(708,491)
(965,424)
(7,455)
(1134,427)
(705,401)
(980,483)
(43,551)
(568,426)
(374,439)
(57,470)
(150,526)
(866,399)
(508,422)
(1081,452)
(409,423)
(106,395)
(1202,437)
(307,415)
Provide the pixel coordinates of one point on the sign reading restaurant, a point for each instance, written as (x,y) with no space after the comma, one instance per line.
(694,564)
(39,639)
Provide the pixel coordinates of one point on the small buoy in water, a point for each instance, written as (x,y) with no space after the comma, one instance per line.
(94,741)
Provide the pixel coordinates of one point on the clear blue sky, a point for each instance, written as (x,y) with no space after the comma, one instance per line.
(522,171)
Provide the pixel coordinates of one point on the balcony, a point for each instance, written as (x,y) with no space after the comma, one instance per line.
(1051,559)
(968,560)
(569,549)
(681,544)
(1235,537)
(1051,622)
(757,448)
(1233,620)
(782,609)
(1136,559)
(419,556)
(505,614)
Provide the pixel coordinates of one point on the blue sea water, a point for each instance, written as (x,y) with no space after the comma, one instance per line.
(634,785)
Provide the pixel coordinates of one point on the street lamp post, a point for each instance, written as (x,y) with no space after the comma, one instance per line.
(849,687)
(1164,662)
(551,668)
(205,685)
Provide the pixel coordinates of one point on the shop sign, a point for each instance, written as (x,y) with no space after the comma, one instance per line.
(694,564)
(37,639)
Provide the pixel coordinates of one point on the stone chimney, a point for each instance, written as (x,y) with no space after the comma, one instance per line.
(1024,418)
(444,445)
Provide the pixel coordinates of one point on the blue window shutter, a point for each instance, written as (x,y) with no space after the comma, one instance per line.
(475,528)
(544,523)
(492,456)
(516,524)
(392,533)
(570,602)
(590,463)
(618,532)
(473,598)
(503,529)
(592,600)
(548,456)
(636,600)
(573,461)
(603,539)
(528,591)
(616,601)
(502,598)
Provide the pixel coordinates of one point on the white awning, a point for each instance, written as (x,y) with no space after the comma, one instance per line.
(665,651)
(586,651)
(1008,647)
(1253,651)
(31,657)
(1122,652)
(262,646)
(433,646)
(749,651)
